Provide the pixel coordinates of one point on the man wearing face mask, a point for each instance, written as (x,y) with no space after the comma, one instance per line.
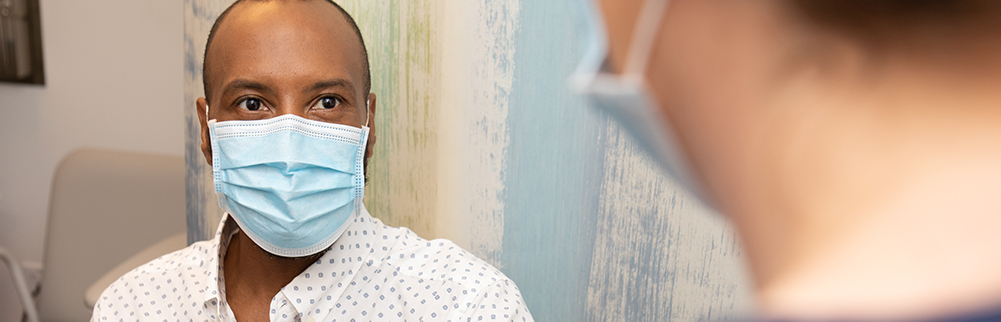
(854,145)
(287,123)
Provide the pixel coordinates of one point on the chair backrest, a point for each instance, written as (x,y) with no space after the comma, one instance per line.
(105,206)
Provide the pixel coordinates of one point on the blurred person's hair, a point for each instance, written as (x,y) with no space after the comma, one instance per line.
(875,21)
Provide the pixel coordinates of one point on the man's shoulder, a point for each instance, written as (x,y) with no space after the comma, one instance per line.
(196,257)
(172,277)
(441,259)
(483,291)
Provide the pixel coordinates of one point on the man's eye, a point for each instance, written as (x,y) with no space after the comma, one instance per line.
(327,103)
(251,104)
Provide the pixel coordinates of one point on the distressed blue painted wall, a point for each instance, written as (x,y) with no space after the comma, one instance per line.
(554,163)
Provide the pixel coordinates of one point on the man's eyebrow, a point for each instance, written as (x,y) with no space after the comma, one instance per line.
(238,84)
(336,82)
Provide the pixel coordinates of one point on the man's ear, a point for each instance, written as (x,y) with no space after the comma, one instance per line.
(371,125)
(203,119)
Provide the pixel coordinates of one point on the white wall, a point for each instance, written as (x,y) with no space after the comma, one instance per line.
(113,73)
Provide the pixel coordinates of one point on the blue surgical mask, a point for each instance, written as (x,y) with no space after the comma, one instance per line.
(625,96)
(292,184)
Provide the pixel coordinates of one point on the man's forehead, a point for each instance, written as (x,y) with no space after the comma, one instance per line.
(285,30)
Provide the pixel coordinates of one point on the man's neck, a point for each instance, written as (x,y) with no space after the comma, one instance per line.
(253,277)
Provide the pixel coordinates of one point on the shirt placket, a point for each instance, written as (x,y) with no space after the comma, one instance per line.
(216,307)
(311,293)
(282,309)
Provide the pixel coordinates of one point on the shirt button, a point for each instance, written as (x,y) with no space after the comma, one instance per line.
(311,319)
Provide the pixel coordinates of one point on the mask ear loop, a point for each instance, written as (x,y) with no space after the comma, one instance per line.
(367,114)
(644,37)
(359,183)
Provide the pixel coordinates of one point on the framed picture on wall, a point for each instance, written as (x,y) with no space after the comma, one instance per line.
(20,42)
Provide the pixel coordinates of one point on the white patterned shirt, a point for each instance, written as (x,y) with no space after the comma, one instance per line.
(373,272)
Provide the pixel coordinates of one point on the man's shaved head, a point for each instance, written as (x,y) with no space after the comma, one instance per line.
(206,71)
(264,59)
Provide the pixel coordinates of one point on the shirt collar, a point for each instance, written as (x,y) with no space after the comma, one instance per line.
(214,291)
(344,259)
(347,254)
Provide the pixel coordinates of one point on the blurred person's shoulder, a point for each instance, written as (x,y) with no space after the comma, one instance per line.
(989,315)
(980,316)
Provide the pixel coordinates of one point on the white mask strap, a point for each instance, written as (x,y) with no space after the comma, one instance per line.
(367,114)
(644,37)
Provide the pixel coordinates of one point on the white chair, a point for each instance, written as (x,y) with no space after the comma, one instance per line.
(105,207)
(20,284)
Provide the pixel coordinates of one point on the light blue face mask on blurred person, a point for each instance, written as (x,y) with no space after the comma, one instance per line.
(291,183)
(625,97)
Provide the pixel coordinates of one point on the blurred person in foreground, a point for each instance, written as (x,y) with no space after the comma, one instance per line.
(855,145)
(286,124)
